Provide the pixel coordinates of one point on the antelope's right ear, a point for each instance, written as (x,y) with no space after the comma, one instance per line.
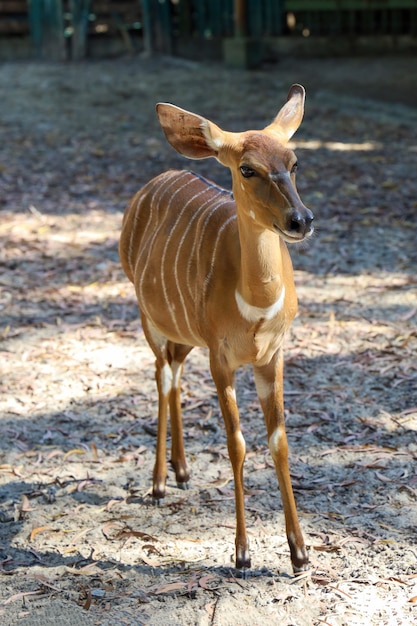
(191,135)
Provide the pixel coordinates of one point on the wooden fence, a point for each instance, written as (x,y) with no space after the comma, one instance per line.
(14,18)
(214,18)
(352,17)
(198,28)
(73,29)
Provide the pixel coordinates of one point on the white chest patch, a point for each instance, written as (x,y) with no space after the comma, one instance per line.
(255,313)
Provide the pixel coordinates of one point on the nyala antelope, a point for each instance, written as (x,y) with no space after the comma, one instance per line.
(211,268)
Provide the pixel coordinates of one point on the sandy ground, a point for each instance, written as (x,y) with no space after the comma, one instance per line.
(80,541)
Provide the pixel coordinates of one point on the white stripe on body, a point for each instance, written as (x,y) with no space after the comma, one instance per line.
(198,243)
(199,209)
(230,219)
(206,215)
(132,234)
(154,202)
(161,188)
(151,243)
(171,306)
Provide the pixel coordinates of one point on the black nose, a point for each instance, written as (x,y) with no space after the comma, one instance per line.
(299,222)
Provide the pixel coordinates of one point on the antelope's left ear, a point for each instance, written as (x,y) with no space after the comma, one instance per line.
(290,116)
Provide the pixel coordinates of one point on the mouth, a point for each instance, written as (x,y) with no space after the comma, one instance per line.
(290,237)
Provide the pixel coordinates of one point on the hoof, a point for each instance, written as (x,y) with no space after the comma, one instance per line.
(297,571)
(158,493)
(300,566)
(299,558)
(184,486)
(182,474)
(243,561)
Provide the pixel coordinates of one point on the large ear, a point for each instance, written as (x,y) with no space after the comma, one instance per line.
(290,116)
(191,135)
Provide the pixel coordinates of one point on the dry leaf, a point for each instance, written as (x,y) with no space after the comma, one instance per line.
(94,450)
(204,581)
(124,534)
(26,507)
(87,604)
(148,561)
(79,451)
(19,596)
(210,607)
(40,529)
(167,588)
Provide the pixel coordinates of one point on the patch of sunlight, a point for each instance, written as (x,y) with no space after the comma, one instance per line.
(101,358)
(79,237)
(339,146)
(365,605)
(102,290)
(62,365)
(386,288)
(405,419)
(71,228)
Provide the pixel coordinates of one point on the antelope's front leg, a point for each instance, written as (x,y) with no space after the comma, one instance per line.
(224,380)
(269,385)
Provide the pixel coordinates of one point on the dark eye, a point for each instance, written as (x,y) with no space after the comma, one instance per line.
(247,172)
(294,168)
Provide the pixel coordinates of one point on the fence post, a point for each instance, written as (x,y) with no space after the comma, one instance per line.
(46,20)
(80,10)
(240,8)
(148,35)
(242,51)
(157,29)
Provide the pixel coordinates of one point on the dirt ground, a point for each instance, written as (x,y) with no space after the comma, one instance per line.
(80,541)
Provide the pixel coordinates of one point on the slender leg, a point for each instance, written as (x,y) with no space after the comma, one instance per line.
(269,385)
(177,356)
(224,380)
(168,368)
(163,377)
(160,467)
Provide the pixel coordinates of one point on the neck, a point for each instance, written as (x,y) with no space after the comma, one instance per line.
(260,282)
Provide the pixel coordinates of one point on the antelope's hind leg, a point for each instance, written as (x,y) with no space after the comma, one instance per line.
(169,358)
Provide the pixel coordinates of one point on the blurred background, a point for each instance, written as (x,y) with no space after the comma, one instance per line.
(240,32)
